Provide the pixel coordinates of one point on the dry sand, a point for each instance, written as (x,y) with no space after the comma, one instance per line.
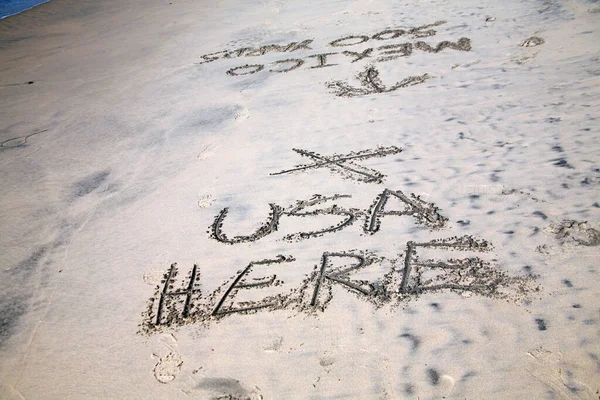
(300,200)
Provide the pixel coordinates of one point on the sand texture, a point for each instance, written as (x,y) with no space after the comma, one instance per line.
(300,200)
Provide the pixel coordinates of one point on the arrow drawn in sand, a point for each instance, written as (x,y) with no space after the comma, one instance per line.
(371,83)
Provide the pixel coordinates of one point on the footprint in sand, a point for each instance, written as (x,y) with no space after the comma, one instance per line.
(168,367)
(574,233)
(153,277)
(206,201)
(441,384)
(326,361)
(550,369)
(532,42)
(523,59)
(243,115)
(157,268)
(224,388)
(273,343)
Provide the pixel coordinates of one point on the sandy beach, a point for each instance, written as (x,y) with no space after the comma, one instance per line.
(300,200)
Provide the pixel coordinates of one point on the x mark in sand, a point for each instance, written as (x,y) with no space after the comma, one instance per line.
(344,163)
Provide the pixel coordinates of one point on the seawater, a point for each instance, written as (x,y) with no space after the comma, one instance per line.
(12,7)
